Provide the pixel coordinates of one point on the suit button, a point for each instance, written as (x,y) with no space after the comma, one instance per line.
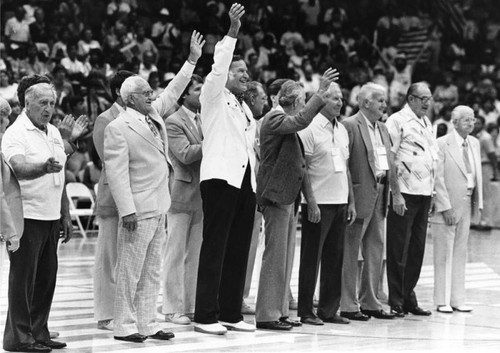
(242,166)
(300,178)
(303,165)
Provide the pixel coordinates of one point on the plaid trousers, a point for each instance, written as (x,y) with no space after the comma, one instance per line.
(138,277)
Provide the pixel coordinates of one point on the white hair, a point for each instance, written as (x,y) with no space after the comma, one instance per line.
(5,108)
(34,91)
(290,91)
(368,90)
(459,111)
(131,85)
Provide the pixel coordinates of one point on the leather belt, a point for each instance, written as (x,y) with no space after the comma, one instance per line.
(381,179)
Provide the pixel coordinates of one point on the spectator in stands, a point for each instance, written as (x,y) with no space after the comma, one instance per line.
(446,93)
(154,82)
(32,65)
(61,84)
(147,66)
(87,42)
(145,44)
(59,50)
(17,32)
(8,88)
(75,68)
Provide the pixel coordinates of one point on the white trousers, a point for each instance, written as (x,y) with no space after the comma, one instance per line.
(180,263)
(450,257)
(104,268)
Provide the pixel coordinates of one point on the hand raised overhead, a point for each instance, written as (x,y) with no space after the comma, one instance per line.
(196,46)
(329,76)
(235,13)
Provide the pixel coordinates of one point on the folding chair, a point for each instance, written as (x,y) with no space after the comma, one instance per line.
(78,192)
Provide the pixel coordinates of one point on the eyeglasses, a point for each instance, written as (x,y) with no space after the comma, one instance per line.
(424,100)
(146,94)
(468,121)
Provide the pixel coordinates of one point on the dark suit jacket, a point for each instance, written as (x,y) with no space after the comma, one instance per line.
(362,164)
(105,205)
(282,165)
(184,142)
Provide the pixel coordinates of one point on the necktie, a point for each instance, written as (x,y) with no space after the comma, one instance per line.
(152,126)
(465,152)
(198,124)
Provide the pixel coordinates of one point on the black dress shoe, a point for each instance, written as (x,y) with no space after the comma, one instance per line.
(293,323)
(354,315)
(53,344)
(379,314)
(337,319)
(398,311)
(33,347)
(135,337)
(274,325)
(312,321)
(162,335)
(418,311)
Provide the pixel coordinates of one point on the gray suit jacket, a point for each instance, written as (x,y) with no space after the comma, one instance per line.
(11,204)
(362,164)
(282,165)
(185,153)
(451,179)
(105,205)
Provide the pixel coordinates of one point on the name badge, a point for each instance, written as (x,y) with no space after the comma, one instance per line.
(470,180)
(382,158)
(338,161)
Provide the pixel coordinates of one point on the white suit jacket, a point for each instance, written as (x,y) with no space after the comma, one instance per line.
(137,166)
(451,179)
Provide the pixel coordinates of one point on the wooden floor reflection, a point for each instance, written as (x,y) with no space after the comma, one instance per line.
(477,331)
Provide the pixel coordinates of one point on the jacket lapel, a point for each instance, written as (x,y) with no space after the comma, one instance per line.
(456,153)
(144,131)
(190,126)
(363,128)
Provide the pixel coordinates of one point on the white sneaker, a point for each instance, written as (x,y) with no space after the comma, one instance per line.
(444,309)
(463,308)
(238,326)
(213,329)
(105,325)
(177,318)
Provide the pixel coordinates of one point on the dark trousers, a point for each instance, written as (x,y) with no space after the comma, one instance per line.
(405,249)
(32,280)
(227,232)
(323,243)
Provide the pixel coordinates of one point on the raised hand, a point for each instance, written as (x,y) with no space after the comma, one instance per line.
(235,13)
(195,47)
(66,127)
(329,76)
(79,127)
(52,166)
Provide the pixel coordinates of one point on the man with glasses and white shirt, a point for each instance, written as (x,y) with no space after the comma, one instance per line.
(414,152)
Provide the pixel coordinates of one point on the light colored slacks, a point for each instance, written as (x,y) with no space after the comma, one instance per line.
(256,238)
(450,257)
(138,277)
(486,214)
(368,235)
(180,264)
(104,268)
(277,263)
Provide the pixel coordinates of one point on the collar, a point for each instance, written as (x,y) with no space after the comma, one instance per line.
(279,108)
(28,124)
(368,122)
(141,117)
(188,112)
(412,116)
(325,122)
(119,107)
(460,140)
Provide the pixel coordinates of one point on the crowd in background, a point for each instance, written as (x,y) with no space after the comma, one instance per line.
(80,44)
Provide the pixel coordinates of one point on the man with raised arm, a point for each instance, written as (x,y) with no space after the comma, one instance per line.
(227,189)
